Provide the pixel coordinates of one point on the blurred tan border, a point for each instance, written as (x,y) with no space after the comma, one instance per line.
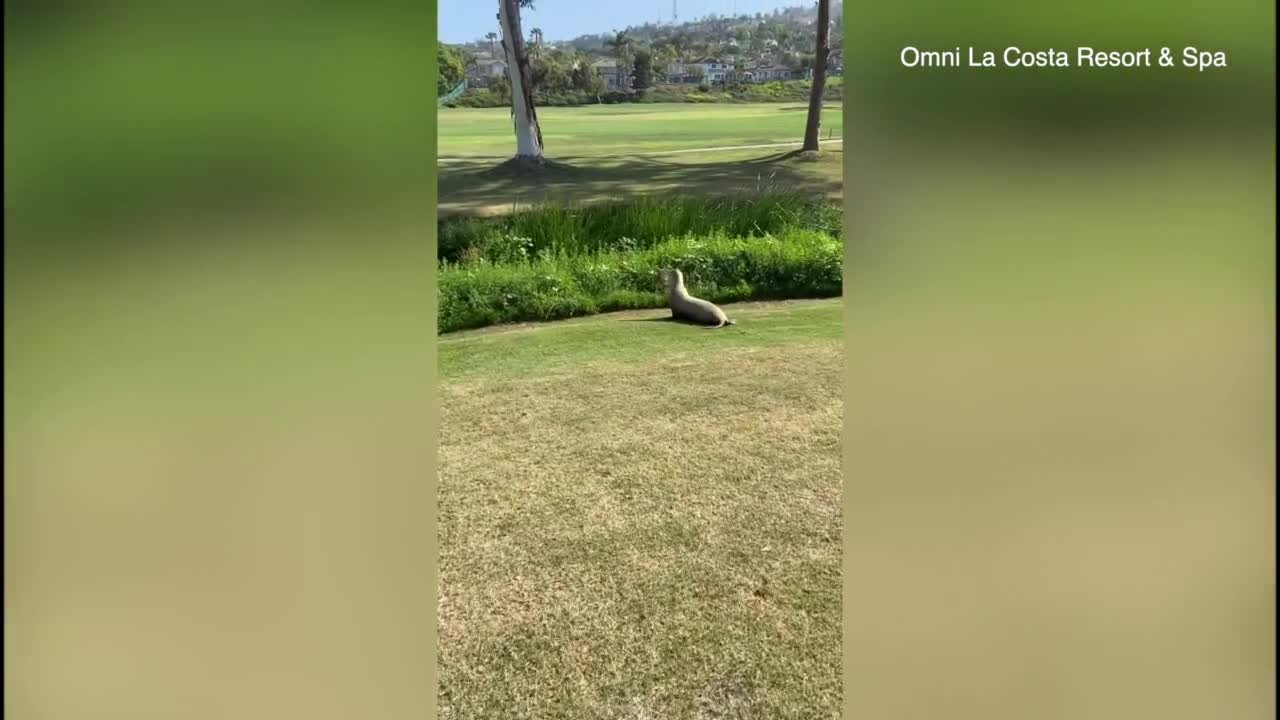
(1059,482)
(428,488)
(220,406)
(433,406)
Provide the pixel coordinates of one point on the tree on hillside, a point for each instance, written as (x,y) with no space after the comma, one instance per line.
(643,70)
(585,77)
(451,67)
(784,36)
(681,42)
(552,74)
(821,53)
(663,53)
(493,39)
(528,133)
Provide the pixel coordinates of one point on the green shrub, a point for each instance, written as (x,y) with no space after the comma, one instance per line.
(720,267)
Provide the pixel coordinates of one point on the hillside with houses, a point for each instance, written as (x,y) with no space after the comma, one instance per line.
(711,56)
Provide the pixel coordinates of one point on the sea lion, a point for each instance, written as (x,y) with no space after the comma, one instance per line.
(686,307)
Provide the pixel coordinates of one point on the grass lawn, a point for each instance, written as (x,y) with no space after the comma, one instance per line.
(640,518)
(608,152)
(608,130)
(473,188)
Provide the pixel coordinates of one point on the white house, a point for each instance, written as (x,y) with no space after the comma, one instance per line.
(486,69)
(714,70)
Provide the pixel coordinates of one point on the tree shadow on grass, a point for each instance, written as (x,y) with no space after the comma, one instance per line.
(480,188)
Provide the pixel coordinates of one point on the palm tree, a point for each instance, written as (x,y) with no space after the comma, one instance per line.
(492,38)
(820,55)
(535,48)
(621,44)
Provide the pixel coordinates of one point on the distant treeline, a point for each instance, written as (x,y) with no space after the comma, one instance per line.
(783,30)
(499,95)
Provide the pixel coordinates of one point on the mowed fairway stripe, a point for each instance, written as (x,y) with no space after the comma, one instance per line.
(634,336)
(469,158)
(613,152)
(614,130)
(642,519)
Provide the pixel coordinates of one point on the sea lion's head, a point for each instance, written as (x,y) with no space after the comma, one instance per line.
(671,279)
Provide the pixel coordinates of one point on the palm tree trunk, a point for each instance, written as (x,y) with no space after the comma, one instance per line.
(528,133)
(820,55)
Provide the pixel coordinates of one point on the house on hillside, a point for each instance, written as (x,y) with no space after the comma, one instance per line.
(745,74)
(484,70)
(614,76)
(678,73)
(772,72)
(714,70)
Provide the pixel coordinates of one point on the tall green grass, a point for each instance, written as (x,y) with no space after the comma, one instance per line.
(798,263)
(632,225)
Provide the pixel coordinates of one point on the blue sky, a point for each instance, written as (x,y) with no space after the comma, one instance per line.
(465,20)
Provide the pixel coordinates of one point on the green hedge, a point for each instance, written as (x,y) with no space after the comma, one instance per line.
(719,267)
